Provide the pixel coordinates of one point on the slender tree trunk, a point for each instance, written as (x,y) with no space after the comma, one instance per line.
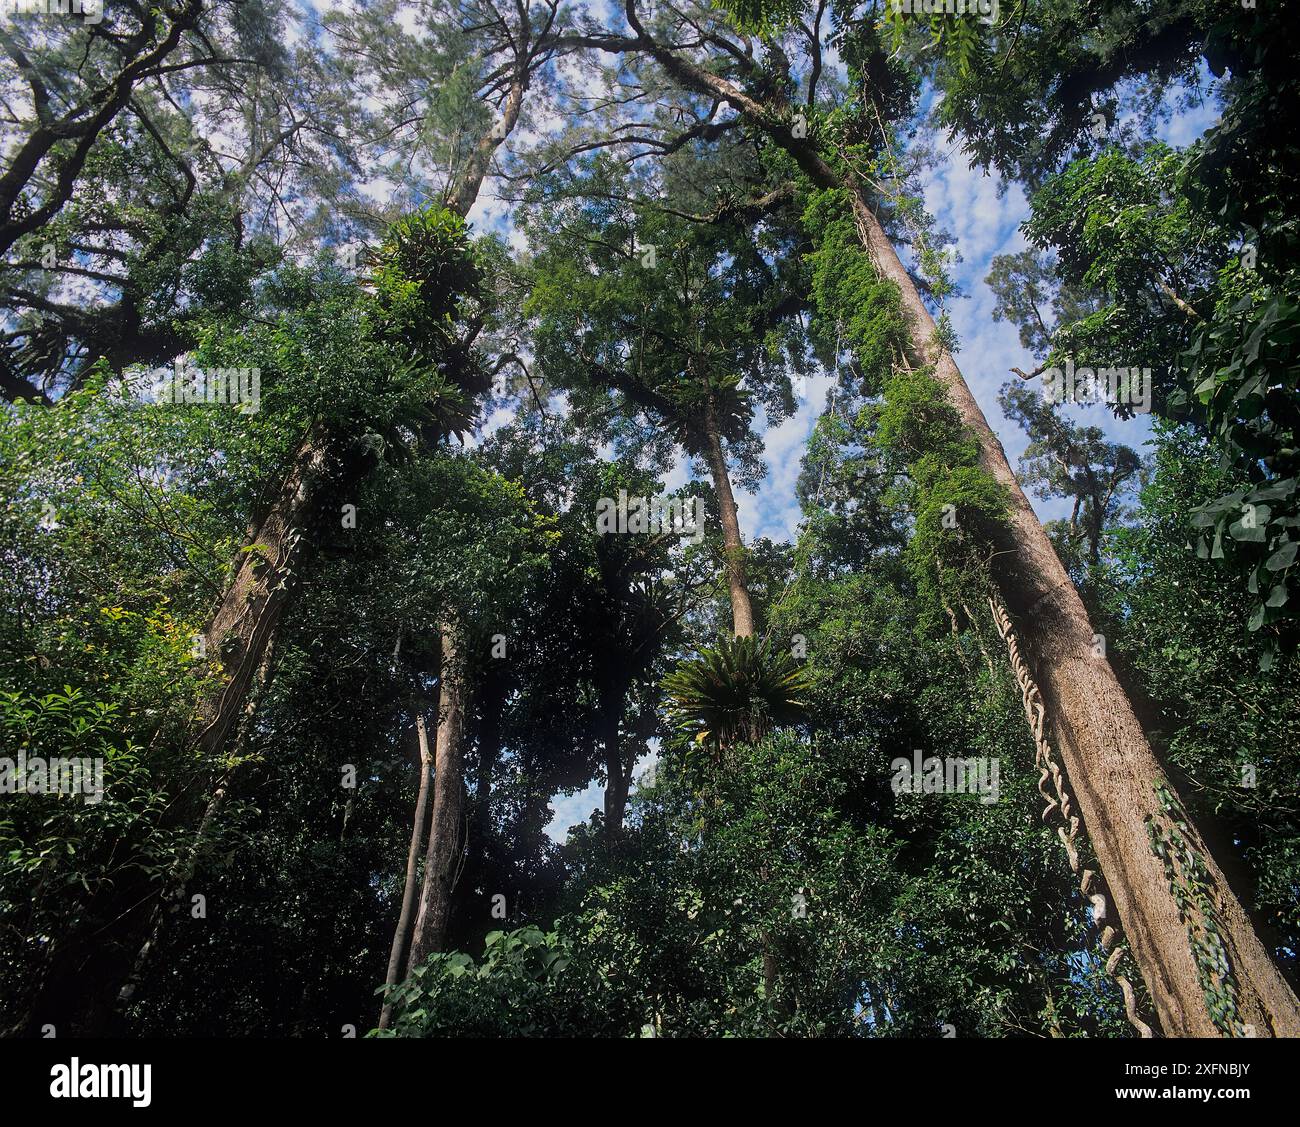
(412,863)
(444,850)
(1106,754)
(742,616)
(618,780)
(491,701)
(742,613)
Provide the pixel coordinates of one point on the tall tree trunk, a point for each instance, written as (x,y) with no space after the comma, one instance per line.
(742,617)
(1106,754)
(618,775)
(491,699)
(742,613)
(444,851)
(247,619)
(395,962)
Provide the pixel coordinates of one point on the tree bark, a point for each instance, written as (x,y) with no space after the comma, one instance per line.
(467,187)
(1105,752)
(445,844)
(247,618)
(618,781)
(742,613)
(412,862)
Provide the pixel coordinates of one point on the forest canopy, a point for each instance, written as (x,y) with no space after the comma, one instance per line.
(425,424)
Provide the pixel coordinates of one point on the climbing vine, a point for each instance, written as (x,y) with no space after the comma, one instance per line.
(1189,883)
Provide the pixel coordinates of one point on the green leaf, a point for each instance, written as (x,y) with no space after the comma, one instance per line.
(1252,533)
(1284,557)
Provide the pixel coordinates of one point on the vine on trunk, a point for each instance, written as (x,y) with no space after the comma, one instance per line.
(1190,886)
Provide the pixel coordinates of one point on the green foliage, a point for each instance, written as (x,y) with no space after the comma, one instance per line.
(425,270)
(1242,372)
(767,879)
(637,309)
(767,16)
(1065,459)
(1184,261)
(959,39)
(957,507)
(63,858)
(735,691)
(521,987)
(1121,227)
(862,308)
(1126,237)
(1173,621)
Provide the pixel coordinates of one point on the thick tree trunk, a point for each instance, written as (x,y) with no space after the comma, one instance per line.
(742,613)
(247,619)
(395,961)
(1106,754)
(467,187)
(441,860)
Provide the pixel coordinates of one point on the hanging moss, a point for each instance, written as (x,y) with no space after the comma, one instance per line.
(847,291)
(957,505)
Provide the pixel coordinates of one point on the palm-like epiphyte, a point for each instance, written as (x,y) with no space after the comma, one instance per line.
(735,692)
(428,282)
